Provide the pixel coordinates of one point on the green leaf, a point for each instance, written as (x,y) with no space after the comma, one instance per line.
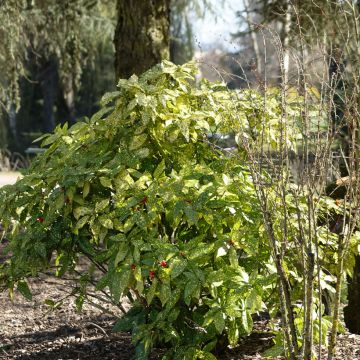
(86,189)
(129,223)
(190,288)
(274,351)
(106,222)
(165,293)
(108,97)
(142,349)
(81,211)
(101,205)
(104,281)
(79,302)
(219,321)
(81,222)
(159,170)
(205,355)
(119,282)
(121,254)
(49,302)
(233,333)
(210,346)
(59,202)
(54,305)
(98,115)
(142,153)
(105,182)
(245,323)
(24,290)
(139,279)
(151,291)
(134,317)
(137,142)
(253,301)
(177,266)
(184,128)
(123,324)
(233,257)
(86,246)
(191,215)
(201,250)
(168,67)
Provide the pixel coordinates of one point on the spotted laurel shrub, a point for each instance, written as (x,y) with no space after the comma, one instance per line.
(172,223)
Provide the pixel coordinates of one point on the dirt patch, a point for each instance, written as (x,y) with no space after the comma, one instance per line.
(28,330)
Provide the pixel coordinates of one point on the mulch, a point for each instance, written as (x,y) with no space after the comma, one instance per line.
(29,330)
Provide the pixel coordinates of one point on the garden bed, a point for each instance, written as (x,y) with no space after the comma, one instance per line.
(29,330)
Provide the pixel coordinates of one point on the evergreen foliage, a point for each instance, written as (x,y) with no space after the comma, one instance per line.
(171,222)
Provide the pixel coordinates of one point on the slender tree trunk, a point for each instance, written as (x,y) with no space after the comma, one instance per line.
(3,132)
(285,40)
(309,292)
(142,36)
(335,322)
(253,35)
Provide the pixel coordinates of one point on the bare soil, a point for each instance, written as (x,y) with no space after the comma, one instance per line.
(29,330)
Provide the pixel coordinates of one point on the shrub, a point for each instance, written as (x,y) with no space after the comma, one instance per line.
(172,223)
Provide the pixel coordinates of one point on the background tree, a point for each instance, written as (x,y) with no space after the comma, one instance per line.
(61,61)
(47,45)
(142,36)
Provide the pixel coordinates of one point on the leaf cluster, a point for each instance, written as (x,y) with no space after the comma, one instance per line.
(171,222)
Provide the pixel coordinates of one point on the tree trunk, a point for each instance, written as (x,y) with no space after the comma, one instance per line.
(253,35)
(142,36)
(351,312)
(285,40)
(69,98)
(3,131)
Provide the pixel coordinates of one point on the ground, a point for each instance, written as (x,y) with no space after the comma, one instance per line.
(29,331)
(8,177)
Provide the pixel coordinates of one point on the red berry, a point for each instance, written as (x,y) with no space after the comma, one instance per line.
(152,275)
(133,266)
(40,219)
(164,264)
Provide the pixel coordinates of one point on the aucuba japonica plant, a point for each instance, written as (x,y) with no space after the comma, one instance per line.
(169,220)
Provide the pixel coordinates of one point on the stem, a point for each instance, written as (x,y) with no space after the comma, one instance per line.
(335,323)
(308,328)
(284,289)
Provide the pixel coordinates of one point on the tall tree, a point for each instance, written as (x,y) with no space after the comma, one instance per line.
(58,39)
(142,36)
